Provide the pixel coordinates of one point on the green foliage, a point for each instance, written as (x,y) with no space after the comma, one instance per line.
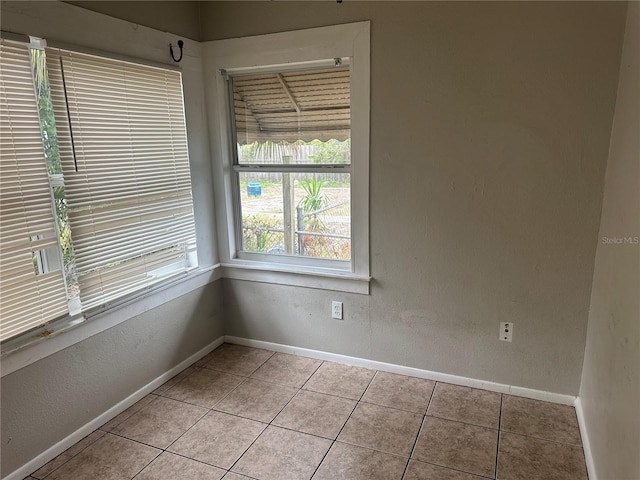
(62,212)
(331,151)
(45,110)
(52,153)
(314,198)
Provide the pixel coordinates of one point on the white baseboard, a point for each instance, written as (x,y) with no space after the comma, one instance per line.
(586,445)
(414,372)
(100,420)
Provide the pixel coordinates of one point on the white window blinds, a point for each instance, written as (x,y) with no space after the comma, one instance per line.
(27,223)
(123,150)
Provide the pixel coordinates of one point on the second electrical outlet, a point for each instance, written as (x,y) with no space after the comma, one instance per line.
(336,310)
(506,331)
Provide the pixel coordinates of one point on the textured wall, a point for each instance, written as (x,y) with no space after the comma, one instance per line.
(610,390)
(490,126)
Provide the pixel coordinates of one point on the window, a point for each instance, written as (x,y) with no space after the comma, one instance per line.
(290,118)
(292,162)
(31,296)
(106,141)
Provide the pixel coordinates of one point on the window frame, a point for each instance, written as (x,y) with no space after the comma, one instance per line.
(282,51)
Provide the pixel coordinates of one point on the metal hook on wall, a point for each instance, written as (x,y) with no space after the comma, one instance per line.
(180,45)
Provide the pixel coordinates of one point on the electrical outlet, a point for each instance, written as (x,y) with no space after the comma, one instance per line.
(506,331)
(336,310)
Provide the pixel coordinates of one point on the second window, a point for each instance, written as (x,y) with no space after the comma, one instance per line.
(292,162)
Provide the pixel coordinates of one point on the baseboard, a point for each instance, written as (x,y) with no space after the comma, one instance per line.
(586,445)
(86,429)
(411,371)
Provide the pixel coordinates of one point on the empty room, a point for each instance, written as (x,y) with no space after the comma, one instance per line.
(295,240)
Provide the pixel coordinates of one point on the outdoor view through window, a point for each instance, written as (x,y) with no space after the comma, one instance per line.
(293,161)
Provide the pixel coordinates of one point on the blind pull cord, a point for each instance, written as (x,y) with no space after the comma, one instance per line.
(66,102)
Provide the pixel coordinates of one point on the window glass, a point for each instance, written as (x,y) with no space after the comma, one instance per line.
(293,109)
(293,139)
(301,213)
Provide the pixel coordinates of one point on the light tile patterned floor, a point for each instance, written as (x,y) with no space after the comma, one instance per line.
(243,413)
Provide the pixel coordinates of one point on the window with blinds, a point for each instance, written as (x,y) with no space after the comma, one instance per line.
(124,173)
(30,295)
(123,151)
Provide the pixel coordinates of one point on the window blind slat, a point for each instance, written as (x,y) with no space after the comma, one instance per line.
(129,201)
(19,310)
(26,214)
(104,285)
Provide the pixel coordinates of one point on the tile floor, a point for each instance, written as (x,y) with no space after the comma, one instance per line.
(243,413)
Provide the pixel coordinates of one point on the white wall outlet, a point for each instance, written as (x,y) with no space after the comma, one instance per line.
(506,331)
(336,310)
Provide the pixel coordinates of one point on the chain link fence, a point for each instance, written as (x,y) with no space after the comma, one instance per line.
(323,233)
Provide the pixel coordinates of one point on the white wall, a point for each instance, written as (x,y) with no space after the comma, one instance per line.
(490,126)
(49,399)
(610,389)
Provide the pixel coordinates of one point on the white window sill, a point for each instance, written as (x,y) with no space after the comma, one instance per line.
(58,335)
(291,275)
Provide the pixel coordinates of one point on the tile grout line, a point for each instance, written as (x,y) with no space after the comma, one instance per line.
(467,423)
(195,369)
(150,462)
(155,395)
(543,439)
(444,467)
(72,457)
(422,424)
(193,459)
(245,451)
(495,463)
(209,410)
(270,424)
(335,440)
(357,403)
